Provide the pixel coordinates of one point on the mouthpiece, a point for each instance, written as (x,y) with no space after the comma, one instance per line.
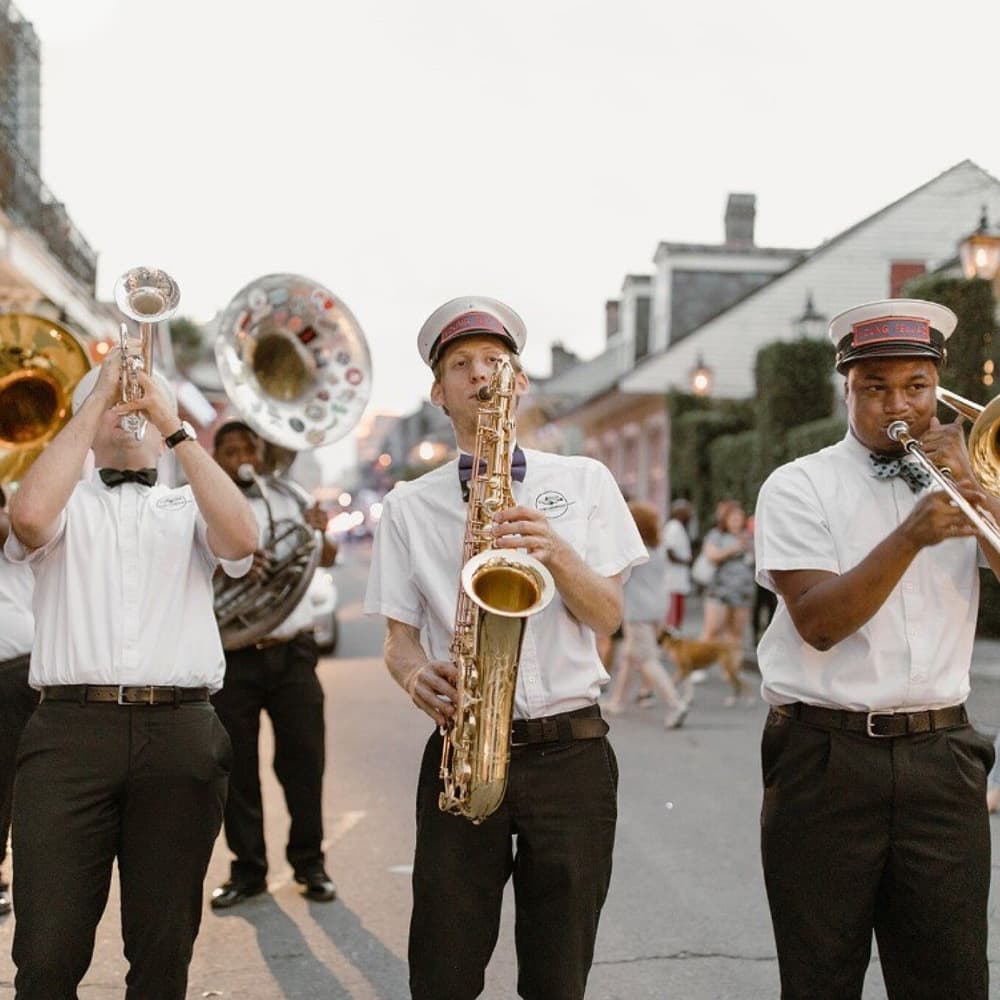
(897,430)
(246,473)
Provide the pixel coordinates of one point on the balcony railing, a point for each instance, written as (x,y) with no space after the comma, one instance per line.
(29,203)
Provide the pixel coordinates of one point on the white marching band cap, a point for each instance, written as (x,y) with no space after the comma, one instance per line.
(892,328)
(467,315)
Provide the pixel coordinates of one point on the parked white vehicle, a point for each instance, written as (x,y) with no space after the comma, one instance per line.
(322,594)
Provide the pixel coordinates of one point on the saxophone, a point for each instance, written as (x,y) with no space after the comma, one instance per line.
(498,591)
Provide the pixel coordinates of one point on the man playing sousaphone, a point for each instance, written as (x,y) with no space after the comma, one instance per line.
(277,674)
(874,815)
(560,809)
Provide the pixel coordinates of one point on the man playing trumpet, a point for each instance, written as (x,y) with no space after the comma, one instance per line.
(124,759)
(874,815)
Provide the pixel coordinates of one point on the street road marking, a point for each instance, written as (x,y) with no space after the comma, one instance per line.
(344,825)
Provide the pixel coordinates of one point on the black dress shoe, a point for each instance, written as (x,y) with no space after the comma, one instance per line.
(233,893)
(319,886)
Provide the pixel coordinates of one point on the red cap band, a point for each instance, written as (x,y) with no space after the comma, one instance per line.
(891,328)
(471,322)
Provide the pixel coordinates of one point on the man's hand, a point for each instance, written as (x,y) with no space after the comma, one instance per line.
(432,688)
(154,404)
(936,518)
(260,566)
(944,445)
(524,528)
(108,386)
(315,517)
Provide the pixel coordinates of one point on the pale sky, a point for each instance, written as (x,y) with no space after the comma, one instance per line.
(404,153)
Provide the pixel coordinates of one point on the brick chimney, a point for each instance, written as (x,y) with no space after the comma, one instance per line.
(740,212)
(611,308)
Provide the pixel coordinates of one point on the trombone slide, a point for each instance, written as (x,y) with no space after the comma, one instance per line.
(982,520)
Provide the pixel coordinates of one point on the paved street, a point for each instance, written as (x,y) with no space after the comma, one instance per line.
(686,917)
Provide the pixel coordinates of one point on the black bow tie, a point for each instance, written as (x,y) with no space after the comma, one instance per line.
(518,466)
(908,469)
(115,477)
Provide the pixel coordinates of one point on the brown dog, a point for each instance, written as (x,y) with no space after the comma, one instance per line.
(692,655)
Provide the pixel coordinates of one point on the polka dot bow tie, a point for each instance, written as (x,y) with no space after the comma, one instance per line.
(518,466)
(908,469)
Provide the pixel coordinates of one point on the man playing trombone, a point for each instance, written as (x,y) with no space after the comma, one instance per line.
(874,814)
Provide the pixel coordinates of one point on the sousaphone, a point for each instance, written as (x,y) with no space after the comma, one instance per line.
(296,368)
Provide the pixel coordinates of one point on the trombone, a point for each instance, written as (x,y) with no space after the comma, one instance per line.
(984,456)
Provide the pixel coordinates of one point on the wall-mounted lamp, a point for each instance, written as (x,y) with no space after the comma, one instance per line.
(701,378)
(811,324)
(979,252)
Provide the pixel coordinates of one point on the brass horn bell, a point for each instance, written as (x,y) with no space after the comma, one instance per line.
(41,362)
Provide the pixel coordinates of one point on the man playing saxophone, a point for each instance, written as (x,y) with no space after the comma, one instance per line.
(560,807)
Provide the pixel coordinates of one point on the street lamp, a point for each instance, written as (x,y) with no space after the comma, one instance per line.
(979,252)
(701,378)
(811,324)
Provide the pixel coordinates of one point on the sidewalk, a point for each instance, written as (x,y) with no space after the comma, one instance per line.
(985,651)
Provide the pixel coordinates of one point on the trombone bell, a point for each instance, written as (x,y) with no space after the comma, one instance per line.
(984,436)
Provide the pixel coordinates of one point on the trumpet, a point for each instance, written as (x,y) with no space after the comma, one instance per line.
(148,296)
(984,455)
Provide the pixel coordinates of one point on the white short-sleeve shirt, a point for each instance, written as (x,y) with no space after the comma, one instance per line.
(677,540)
(283,507)
(123,590)
(827,511)
(17,623)
(417,558)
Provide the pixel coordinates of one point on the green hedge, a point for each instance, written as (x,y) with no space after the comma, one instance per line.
(692,434)
(811,437)
(794,386)
(734,461)
(973,343)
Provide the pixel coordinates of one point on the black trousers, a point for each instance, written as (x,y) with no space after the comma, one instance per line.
(561,806)
(282,681)
(145,785)
(885,835)
(17,702)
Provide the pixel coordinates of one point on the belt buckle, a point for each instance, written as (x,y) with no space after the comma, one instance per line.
(148,700)
(868,725)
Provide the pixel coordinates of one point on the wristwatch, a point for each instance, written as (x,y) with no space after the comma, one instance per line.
(184,433)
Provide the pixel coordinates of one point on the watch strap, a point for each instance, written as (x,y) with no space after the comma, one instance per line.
(181,434)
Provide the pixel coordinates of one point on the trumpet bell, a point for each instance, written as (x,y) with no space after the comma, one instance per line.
(40,365)
(293,361)
(147,295)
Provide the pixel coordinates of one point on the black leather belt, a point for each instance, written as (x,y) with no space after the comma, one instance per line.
(122,695)
(876,724)
(581,724)
(270,642)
